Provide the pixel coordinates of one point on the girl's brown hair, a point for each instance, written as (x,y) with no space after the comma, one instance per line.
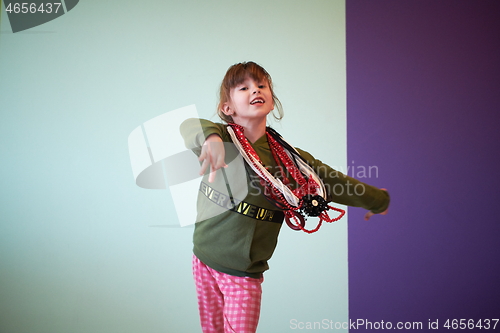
(238,73)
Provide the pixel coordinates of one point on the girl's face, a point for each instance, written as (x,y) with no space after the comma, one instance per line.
(250,101)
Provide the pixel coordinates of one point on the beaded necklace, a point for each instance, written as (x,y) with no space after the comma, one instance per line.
(309,198)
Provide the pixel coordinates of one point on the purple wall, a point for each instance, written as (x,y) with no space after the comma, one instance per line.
(423,101)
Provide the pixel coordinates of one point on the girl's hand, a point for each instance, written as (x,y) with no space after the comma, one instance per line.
(212,153)
(370,214)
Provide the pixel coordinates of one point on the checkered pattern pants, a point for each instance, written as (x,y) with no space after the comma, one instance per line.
(227,304)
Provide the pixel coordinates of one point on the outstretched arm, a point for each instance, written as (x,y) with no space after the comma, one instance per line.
(212,153)
(349,191)
(205,139)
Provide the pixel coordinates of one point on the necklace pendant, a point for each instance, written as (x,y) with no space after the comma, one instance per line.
(313,205)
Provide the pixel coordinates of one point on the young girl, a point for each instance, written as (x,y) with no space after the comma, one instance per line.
(231,248)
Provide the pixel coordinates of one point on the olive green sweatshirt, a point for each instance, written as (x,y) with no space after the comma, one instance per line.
(241,236)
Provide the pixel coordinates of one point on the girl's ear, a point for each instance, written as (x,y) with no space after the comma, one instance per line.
(227,110)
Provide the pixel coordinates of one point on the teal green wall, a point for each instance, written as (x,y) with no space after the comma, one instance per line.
(78,252)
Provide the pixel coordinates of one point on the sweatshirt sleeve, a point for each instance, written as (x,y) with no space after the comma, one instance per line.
(195,131)
(346,190)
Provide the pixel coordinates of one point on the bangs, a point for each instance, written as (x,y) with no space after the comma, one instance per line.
(238,73)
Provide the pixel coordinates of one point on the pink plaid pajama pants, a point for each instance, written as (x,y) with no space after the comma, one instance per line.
(227,304)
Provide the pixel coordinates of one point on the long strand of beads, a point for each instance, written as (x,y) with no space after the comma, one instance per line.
(306,186)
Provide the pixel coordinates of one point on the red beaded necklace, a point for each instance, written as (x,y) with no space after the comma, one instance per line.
(309,196)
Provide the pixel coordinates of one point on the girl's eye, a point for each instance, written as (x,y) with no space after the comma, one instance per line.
(262,86)
(243,88)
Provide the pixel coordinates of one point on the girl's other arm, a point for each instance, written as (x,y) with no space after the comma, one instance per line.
(349,191)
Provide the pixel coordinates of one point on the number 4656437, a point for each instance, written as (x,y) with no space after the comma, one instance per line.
(27,8)
(470,324)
